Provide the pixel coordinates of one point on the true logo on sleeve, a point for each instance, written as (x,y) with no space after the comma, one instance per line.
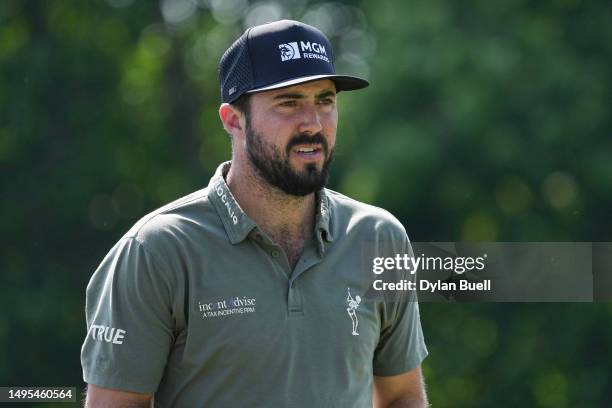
(107,334)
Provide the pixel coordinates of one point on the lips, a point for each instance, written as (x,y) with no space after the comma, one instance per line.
(306,145)
(307,149)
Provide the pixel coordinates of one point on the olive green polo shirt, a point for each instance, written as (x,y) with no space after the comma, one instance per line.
(198,306)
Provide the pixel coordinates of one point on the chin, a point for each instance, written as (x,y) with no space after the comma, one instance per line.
(309,168)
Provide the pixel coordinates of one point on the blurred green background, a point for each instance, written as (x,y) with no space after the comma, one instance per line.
(485,120)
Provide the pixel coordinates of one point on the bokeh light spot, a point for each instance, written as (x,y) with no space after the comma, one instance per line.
(513,195)
(479,227)
(560,189)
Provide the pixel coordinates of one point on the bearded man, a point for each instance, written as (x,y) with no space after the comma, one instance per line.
(236,295)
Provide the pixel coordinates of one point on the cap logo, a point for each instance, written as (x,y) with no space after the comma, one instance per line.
(306,49)
(289,51)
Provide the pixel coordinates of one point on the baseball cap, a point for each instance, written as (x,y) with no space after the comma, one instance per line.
(279,54)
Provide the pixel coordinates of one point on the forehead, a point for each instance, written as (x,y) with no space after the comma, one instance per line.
(312,88)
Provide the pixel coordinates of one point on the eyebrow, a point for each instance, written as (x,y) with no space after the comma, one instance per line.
(296,95)
(326,94)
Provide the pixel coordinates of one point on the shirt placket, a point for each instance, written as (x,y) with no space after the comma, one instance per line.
(308,259)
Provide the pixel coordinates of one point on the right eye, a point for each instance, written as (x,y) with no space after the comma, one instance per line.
(288,103)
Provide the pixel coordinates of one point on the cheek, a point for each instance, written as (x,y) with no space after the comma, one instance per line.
(278,122)
(330,126)
(272,130)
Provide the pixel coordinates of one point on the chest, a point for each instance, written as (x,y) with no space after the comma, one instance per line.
(245,308)
(293,251)
(292,246)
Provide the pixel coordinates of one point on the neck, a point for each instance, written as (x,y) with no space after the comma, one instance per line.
(280,215)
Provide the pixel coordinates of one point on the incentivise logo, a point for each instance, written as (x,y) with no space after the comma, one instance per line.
(227,307)
(302,49)
(352,306)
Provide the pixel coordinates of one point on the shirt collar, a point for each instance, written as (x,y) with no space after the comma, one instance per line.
(323,217)
(238,225)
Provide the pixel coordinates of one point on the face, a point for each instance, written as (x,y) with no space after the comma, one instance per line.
(291,134)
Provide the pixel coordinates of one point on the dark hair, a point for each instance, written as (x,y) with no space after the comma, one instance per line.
(243,104)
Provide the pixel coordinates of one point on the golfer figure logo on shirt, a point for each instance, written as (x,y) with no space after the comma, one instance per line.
(353,304)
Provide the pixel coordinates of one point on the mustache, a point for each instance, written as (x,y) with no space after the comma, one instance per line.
(305,138)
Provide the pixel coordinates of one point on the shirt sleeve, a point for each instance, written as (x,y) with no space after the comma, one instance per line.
(129,320)
(401,346)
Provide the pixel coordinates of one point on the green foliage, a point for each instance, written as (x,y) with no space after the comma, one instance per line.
(484,121)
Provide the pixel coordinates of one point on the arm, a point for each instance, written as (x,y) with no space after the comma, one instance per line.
(405,390)
(128,292)
(98,397)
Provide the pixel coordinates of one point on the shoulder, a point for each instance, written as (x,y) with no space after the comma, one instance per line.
(349,214)
(174,221)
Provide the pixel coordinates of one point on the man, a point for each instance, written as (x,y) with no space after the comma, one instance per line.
(235,295)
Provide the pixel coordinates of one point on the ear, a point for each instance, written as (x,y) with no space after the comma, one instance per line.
(233,120)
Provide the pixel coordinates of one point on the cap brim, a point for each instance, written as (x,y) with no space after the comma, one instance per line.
(343,82)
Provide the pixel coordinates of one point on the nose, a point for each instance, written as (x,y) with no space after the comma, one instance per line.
(310,120)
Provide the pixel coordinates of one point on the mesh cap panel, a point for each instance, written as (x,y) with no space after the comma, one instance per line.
(235,71)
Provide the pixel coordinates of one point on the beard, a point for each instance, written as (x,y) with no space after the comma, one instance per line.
(274,166)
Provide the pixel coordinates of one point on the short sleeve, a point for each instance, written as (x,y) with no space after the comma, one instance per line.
(129,320)
(401,346)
